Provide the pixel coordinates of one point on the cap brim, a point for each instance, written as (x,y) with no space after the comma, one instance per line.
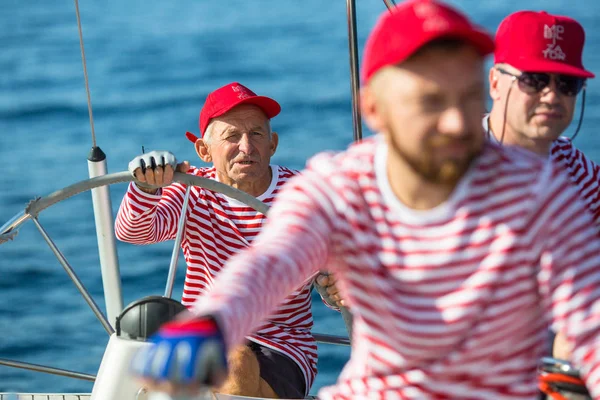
(551,67)
(270,107)
(191,137)
(481,41)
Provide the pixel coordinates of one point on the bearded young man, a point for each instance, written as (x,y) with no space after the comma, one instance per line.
(454,254)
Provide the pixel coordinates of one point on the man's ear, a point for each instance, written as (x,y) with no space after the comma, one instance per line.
(494,78)
(203,150)
(370,110)
(274,142)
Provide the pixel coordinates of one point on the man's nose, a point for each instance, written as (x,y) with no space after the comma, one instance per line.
(550,93)
(245,144)
(452,122)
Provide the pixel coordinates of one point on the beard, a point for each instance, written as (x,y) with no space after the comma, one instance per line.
(448,171)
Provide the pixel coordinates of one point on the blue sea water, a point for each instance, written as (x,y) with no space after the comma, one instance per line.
(151,64)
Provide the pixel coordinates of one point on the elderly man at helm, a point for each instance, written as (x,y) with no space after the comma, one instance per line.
(279,359)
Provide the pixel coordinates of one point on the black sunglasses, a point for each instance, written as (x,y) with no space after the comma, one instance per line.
(534,82)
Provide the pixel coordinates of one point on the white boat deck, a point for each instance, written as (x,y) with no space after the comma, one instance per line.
(44,396)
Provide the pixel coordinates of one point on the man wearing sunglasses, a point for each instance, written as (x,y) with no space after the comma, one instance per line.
(534,85)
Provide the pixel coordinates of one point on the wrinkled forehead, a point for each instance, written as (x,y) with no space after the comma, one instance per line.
(242,118)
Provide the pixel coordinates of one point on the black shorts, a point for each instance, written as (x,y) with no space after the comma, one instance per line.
(281,373)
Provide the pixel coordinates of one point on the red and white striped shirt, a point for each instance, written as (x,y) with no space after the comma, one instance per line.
(582,171)
(452,302)
(217,227)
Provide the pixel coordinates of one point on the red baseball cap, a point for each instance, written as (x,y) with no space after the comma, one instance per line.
(225,98)
(540,42)
(399,33)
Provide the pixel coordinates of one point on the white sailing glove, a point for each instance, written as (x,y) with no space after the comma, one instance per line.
(156,158)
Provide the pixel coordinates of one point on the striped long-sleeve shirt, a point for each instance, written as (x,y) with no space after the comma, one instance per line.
(452,302)
(584,173)
(217,227)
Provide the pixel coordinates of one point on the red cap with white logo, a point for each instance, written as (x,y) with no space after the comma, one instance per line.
(540,42)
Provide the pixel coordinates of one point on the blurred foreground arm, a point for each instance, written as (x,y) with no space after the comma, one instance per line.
(294,244)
